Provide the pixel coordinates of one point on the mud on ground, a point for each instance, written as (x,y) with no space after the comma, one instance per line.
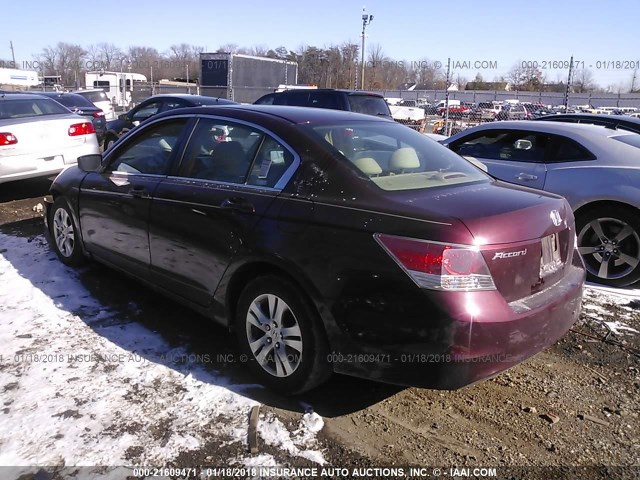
(577,403)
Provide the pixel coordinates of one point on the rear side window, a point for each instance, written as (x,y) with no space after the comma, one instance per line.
(296,99)
(566,150)
(220,150)
(324,100)
(369,105)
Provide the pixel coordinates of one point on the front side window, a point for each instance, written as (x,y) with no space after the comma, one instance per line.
(151,151)
(146,111)
(505,145)
(397,158)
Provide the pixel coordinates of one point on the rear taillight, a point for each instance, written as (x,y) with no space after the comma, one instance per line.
(7,138)
(439,266)
(84,128)
(98,114)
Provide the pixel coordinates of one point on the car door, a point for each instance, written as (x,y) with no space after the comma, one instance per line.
(114,203)
(516,156)
(206,212)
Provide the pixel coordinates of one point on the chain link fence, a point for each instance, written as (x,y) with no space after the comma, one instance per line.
(436,110)
(447,113)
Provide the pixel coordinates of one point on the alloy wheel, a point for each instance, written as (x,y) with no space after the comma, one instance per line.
(274,335)
(63,232)
(610,248)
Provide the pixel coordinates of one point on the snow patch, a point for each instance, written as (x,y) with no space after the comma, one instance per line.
(79,390)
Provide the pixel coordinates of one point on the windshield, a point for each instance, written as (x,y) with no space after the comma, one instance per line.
(30,108)
(395,157)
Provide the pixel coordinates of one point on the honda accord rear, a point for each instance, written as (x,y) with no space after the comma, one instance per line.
(328,241)
(478,275)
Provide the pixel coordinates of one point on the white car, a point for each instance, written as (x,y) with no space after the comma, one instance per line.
(100,100)
(40,137)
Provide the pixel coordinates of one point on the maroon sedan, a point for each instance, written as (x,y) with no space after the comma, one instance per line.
(328,241)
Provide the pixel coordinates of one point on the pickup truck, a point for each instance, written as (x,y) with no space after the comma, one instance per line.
(408,113)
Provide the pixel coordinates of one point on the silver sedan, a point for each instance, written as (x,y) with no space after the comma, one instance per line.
(39,137)
(596,169)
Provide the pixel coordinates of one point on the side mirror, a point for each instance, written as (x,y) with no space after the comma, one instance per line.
(123,117)
(90,163)
(523,144)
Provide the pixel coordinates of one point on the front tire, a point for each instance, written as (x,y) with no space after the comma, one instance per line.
(65,237)
(609,242)
(282,336)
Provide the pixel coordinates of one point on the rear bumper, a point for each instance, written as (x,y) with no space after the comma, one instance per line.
(19,167)
(480,336)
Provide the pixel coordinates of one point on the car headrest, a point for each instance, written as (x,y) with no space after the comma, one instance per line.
(404,158)
(368,166)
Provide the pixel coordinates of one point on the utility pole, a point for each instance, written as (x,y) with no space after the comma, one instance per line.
(366,20)
(13,55)
(447,127)
(569,80)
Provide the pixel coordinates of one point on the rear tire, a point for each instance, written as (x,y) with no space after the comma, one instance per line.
(609,242)
(282,336)
(65,237)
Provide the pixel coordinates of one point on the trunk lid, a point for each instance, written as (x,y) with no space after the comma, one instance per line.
(42,136)
(526,236)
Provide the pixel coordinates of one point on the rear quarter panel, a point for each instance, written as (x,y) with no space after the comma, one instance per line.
(582,183)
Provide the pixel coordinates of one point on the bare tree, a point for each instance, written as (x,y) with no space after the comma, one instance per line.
(183,61)
(583,81)
(147,61)
(258,50)
(524,77)
(66,60)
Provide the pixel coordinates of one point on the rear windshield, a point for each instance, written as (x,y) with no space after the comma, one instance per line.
(395,157)
(73,101)
(95,96)
(30,108)
(369,104)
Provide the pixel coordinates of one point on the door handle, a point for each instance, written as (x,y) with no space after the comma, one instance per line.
(235,203)
(526,177)
(139,192)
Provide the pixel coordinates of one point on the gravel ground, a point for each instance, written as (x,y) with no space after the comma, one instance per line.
(575,404)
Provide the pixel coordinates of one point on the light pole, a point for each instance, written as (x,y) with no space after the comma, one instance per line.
(366,20)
